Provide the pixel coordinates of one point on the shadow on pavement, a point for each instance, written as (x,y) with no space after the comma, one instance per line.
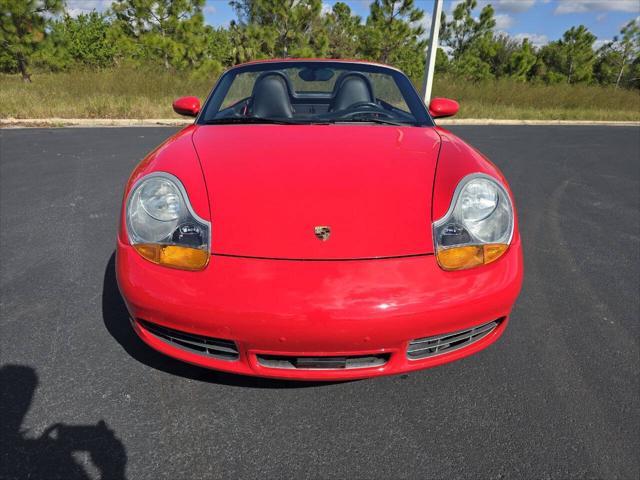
(54,454)
(116,319)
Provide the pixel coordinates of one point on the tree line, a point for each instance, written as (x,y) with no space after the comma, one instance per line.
(172,34)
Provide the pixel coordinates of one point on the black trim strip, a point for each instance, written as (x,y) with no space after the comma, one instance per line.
(411,255)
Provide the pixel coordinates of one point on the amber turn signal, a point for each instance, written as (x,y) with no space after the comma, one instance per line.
(460,258)
(174,256)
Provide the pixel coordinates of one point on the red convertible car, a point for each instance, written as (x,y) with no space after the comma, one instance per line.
(314,223)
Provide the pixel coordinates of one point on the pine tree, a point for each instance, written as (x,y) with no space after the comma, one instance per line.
(464,30)
(343,31)
(22,28)
(164,29)
(571,58)
(394,34)
(289,27)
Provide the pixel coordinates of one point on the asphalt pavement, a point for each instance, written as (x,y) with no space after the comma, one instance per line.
(556,397)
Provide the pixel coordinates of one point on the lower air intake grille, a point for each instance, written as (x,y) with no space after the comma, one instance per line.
(214,347)
(448,342)
(323,363)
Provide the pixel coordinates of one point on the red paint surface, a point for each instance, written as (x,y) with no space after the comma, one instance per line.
(270,185)
(189,106)
(264,188)
(319,307)
(443,107)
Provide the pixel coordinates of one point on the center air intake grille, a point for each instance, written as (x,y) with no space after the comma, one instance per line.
(214,347)
(323,363)
(448,342)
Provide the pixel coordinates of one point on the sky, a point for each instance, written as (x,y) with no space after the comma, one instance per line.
(539,20)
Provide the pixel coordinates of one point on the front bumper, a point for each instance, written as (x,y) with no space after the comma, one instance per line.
(318,308)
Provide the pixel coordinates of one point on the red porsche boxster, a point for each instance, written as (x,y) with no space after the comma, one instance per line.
(314,223)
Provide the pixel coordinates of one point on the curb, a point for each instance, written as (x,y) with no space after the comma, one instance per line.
(491,121)
(91,122)
(154,122)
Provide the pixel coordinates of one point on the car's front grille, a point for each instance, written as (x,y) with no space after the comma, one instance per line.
(323,363)
(213,347)
(448,342)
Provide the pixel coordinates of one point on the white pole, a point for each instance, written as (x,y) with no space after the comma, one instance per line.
(430,65)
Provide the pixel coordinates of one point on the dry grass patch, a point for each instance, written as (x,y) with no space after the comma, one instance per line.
(508,99)
(142,93)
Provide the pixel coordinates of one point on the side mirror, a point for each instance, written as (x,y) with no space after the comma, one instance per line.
(443,107)
(188,106)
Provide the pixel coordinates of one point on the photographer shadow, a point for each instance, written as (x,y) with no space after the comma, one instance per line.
(57,453)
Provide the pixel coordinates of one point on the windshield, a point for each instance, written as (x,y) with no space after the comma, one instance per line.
(314,93)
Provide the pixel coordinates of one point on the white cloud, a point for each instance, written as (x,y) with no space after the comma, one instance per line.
(512,6)
(509,6)
(449,7)
(503,21)
(425,22)
(326,8)
(535,39)
(365,3)
(584,6)
(77,7)
(600,42)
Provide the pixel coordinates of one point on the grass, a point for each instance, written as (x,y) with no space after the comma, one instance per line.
(505,98)
(123,93)
(140,93)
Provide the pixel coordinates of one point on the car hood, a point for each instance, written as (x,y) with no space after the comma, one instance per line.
(270,186)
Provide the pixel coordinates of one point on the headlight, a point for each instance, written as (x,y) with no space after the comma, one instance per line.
(163,227)
(478,227)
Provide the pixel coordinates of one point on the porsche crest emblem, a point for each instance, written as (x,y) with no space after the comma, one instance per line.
(322,232)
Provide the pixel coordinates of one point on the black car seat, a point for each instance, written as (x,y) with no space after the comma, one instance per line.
(271,96)
(351,88)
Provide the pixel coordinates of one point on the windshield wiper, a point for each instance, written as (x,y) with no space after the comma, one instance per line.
(284,121)
(366,119)
(250,120)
